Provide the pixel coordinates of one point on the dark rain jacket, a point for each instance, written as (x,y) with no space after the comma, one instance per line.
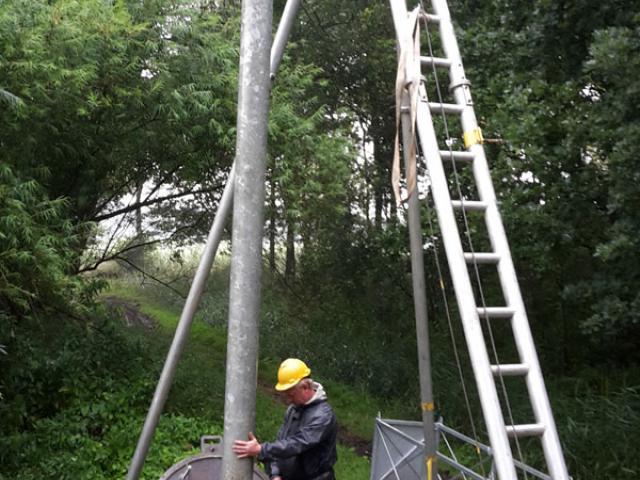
(305,447)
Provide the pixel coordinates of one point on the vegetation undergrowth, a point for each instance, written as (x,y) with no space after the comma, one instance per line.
(86,391)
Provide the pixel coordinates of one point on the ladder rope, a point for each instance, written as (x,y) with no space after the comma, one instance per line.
(467,232)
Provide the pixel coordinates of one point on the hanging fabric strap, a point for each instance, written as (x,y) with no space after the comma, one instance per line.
(407,84)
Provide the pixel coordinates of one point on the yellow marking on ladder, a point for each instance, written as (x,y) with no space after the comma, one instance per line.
(472,137)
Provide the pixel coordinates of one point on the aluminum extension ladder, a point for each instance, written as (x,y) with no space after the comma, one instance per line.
(486,374)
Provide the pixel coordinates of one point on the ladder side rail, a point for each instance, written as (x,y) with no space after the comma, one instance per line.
(520,324)
(399,13)
(521,329)
(465,297)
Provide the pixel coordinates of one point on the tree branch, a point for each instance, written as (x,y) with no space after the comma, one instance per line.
(161,182)
(105,258)
(146,274)
(118,190)
(116,255)
(146,203)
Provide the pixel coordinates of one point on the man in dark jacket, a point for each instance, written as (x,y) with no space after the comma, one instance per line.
(305,447)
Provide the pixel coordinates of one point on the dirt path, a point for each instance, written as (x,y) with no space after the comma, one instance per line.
(130,311)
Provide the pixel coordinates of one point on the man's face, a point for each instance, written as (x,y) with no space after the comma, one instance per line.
(296,395)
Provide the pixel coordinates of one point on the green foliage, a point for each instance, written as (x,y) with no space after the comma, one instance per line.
(560,103)
(64,60)
(343,304)
(47,364)
(94,437)
(351,466)
(310,165)
(613,291)
(37,250)
(108,95)
(592,419)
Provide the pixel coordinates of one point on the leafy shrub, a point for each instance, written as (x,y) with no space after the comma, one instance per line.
(94,438)
(37,251)
(49,365)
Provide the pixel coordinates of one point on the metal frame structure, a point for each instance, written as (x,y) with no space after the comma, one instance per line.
(246,184)
(397,447)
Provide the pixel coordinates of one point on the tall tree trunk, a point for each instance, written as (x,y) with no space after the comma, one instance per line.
(139,211)
(272,225)
(382,159)
(290,266)
(136,256)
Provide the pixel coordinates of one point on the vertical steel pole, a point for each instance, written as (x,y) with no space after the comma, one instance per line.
(399,12)
(200,278)
(248,214)
(182,330)
(420,306)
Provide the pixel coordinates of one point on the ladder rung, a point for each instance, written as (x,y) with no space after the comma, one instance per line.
(490,258)
(437,107)
(510,369)
(437,61)
(525,430)
(469,205)
(457,156)
(495,312)
(430,17)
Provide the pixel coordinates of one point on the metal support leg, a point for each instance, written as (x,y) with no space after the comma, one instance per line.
(186,319)
(284,28)
(420,306)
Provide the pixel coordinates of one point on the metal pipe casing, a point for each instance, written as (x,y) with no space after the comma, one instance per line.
(246,258)
(421,315)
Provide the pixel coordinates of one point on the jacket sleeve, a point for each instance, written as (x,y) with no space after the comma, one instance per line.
(274,468)
(311,433)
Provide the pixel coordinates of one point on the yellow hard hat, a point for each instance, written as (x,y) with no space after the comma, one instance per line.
(291,371)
